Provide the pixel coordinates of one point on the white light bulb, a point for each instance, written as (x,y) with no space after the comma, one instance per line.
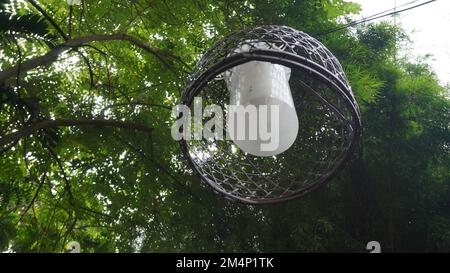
(73,2)
(263,84)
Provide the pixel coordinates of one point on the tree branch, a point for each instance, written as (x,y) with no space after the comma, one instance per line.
(53,54)
(46,124)
(41,183)
(48,18)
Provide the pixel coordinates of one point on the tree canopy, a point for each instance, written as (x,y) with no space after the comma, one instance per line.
(86,153)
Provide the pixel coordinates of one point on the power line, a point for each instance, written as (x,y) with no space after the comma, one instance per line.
(377,16)
(394,9)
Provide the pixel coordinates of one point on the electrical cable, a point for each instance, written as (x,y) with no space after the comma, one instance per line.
(376,16)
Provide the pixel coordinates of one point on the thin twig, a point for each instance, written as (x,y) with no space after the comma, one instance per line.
(41,183)
(53,54)
(69,27)
(48,18)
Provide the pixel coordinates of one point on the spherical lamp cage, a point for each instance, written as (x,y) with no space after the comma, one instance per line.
(329,117)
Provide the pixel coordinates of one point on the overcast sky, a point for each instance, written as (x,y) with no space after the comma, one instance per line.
(428,27)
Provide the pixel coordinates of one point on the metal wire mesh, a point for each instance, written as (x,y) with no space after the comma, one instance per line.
(329,119)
